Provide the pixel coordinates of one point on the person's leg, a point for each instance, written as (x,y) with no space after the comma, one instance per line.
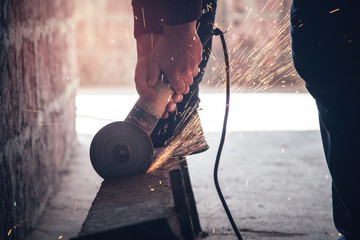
(340,133)
(325,49)
(168,128)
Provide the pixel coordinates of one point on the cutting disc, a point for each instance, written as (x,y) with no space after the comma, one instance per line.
(121,149)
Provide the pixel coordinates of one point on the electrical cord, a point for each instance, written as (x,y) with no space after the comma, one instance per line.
(218,32)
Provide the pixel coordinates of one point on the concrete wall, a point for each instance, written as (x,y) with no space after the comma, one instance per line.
(37,110)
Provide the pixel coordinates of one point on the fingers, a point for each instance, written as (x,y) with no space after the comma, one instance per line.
(141,80)
(177,97)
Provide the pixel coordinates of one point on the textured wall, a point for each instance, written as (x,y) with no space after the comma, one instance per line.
(37,110)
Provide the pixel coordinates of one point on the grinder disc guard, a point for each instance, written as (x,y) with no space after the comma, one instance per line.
(121,149)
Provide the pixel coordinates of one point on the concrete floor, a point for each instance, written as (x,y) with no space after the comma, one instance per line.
(275,180)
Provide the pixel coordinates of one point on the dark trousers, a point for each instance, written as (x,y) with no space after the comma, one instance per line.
(326,53)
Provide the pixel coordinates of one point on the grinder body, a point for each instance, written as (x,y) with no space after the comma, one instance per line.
(124,148)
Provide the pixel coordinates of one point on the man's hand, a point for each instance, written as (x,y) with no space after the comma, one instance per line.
(178,54)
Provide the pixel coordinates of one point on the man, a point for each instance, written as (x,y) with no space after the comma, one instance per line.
(169,36)
(325,45)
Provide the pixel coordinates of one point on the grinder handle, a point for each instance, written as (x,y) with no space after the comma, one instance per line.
(146,113)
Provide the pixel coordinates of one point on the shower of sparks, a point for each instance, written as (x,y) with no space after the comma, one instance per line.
(188,140)
(261,57)
(259,60)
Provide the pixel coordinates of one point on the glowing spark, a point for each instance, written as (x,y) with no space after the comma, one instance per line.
(289,198)
(335,10)
(152,189)
(160,182)
(9,232)
(31,110)
(213,230)
(14,204)
(301,25)
(282,150)
(128,37)
(190,54)
(198,26)
(89,36)
(60,237)
(75,207)
(143,15)
(112,41)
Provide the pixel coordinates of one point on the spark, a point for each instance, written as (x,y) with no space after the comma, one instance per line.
(75,207)
(128,37)
(335,10)
(60,237)
(9,232)
(14,204)
(283,149)
(259,65)
(143,15)
(184,142)
(160,182)
(190,54)
(31,110)
(91,39)
(213,230)
(112,41)
(289,198)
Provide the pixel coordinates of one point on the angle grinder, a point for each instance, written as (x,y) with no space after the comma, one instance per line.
(124,148)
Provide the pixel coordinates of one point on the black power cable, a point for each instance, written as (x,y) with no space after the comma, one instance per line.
(218,32)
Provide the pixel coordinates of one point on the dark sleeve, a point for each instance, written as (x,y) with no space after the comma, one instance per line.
(149,15)
(176,12)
